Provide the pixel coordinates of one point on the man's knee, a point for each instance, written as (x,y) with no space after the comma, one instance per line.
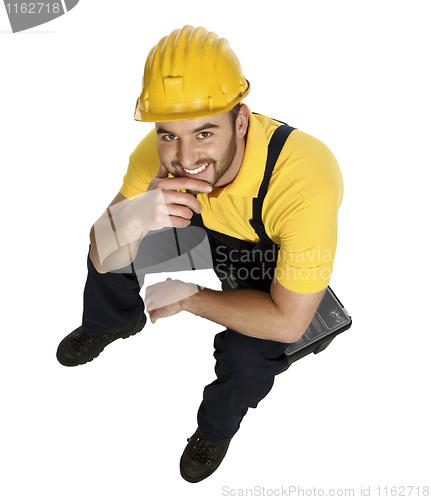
(240,354)
(249,356)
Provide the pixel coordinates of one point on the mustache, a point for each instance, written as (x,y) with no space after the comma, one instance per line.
(200,163)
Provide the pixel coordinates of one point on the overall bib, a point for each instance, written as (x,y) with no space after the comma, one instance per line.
(245,366)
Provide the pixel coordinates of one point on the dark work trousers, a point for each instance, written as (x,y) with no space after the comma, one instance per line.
(245,366)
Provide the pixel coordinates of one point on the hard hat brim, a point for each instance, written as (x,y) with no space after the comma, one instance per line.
(178,113)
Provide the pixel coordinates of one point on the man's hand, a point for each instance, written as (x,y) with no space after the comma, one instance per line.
(164,299)
(162,205)
(173,203)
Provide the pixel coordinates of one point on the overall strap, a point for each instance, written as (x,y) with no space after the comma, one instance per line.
(275,146)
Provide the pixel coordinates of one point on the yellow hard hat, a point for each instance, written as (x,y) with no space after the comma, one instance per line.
(191,73)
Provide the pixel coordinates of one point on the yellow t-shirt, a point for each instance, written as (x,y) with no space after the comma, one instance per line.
(300,208)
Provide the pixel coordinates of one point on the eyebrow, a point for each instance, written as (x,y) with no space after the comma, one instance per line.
(195,131)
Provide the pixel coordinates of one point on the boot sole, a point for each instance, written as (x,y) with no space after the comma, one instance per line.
(197,480)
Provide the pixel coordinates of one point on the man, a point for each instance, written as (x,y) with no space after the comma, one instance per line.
(213,185)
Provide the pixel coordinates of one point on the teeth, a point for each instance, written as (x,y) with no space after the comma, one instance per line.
(197,170)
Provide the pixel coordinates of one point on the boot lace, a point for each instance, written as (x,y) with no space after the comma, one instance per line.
(203,450)
(83,341)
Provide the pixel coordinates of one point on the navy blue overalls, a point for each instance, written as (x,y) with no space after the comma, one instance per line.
(245,366)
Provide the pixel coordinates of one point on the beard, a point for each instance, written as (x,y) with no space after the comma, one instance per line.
(220,167)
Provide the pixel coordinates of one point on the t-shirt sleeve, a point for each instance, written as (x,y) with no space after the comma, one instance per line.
(307,194)
(308,241)
(143,167)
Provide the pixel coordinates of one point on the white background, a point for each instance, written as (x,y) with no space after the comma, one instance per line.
(355,75)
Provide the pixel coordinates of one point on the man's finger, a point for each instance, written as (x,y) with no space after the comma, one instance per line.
(184,183)
(182,207)
(179,222)
(152,315)
(181,199)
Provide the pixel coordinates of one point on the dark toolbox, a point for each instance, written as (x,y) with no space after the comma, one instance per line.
(329,321)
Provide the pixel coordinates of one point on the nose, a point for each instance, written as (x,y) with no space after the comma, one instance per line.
(187,154)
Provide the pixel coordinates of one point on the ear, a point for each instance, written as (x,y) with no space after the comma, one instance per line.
(242,122)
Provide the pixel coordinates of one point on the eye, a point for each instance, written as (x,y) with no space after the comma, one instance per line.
(169,137)
(204,135)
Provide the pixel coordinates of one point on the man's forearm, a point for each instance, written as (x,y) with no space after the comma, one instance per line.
(114,244)
(120,257)
(250,312)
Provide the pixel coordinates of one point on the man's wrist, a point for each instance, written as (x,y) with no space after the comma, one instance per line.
(131,230)
(189,303)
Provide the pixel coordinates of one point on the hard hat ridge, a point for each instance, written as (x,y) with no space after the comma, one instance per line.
(191,73)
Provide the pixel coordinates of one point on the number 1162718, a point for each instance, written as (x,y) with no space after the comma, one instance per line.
(33,8)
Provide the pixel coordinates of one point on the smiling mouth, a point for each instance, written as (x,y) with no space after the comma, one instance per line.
(196,170)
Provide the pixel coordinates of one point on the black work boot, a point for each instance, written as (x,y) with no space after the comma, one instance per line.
(201,458)
(79,348)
